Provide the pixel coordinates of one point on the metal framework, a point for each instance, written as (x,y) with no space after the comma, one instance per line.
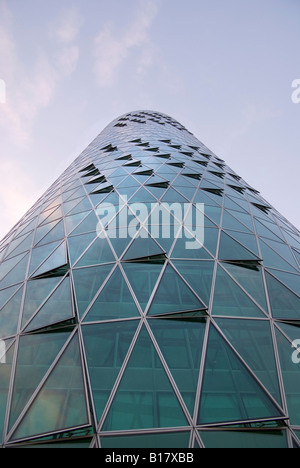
(119,341)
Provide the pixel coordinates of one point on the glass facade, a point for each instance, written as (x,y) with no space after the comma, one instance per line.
(150,298)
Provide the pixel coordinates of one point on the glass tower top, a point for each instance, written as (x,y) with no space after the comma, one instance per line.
(150,298)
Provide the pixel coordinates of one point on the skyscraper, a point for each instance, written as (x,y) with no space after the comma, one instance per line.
(150,298)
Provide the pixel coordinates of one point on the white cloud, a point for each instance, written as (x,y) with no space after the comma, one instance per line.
(111,51)
(30,90)
(15,197)
(68,26)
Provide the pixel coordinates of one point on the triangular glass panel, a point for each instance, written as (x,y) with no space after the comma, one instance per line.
(244,439)
(283,250)
(15,245)
(128,157)
(213,213)
(230,300)
(9,315)
(155,441)
(5,378)
(143,248)
(142,196)
(291,377)
(107,189)
(290,280)
(114,302)
(220,175)
(157,192)
(72,221)
(78,244)
(273,260)
(37,291)
(193,175)
(58,308)
(264,231)
(56,261)
(173,295)
(202,197)
(98,253)
(133,164)
(265,209)
(250,278)
(90,167)
(148,172)
(42,231)
(172,196)
(253,341)
(297,254)
(229,391)
(181,344)
(247,240)
(17,275)
(290,329)
(96,181)
(89,224)
(55,215)
(231,250)
(84,205)
(232,204)
(145,398)
(163,185)
(36,352)
(7,266)
(39,255)
(6,294)
(181,249)
(61,402)
(106,346)
(24,246)
(214,191)
(56,233)
(143,278)
(199,275)
(230,222)
(70,204)
(87,283)
(284,303)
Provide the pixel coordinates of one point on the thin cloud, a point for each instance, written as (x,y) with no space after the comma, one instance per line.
(29,91)
(110,51)
(68,26)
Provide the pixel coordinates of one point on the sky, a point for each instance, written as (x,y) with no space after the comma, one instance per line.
(222,68)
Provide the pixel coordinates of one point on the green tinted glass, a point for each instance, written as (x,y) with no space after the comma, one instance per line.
(115,301)
(230,392)
(61,402)
(145,397)
(36,352)
(181,343)
(173,295)
(106,347)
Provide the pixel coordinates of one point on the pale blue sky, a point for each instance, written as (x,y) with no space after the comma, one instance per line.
(223,68)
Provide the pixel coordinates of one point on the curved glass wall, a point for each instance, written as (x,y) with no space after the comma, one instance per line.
(150,298)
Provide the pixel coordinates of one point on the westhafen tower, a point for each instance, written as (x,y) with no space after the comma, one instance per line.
(150,298)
